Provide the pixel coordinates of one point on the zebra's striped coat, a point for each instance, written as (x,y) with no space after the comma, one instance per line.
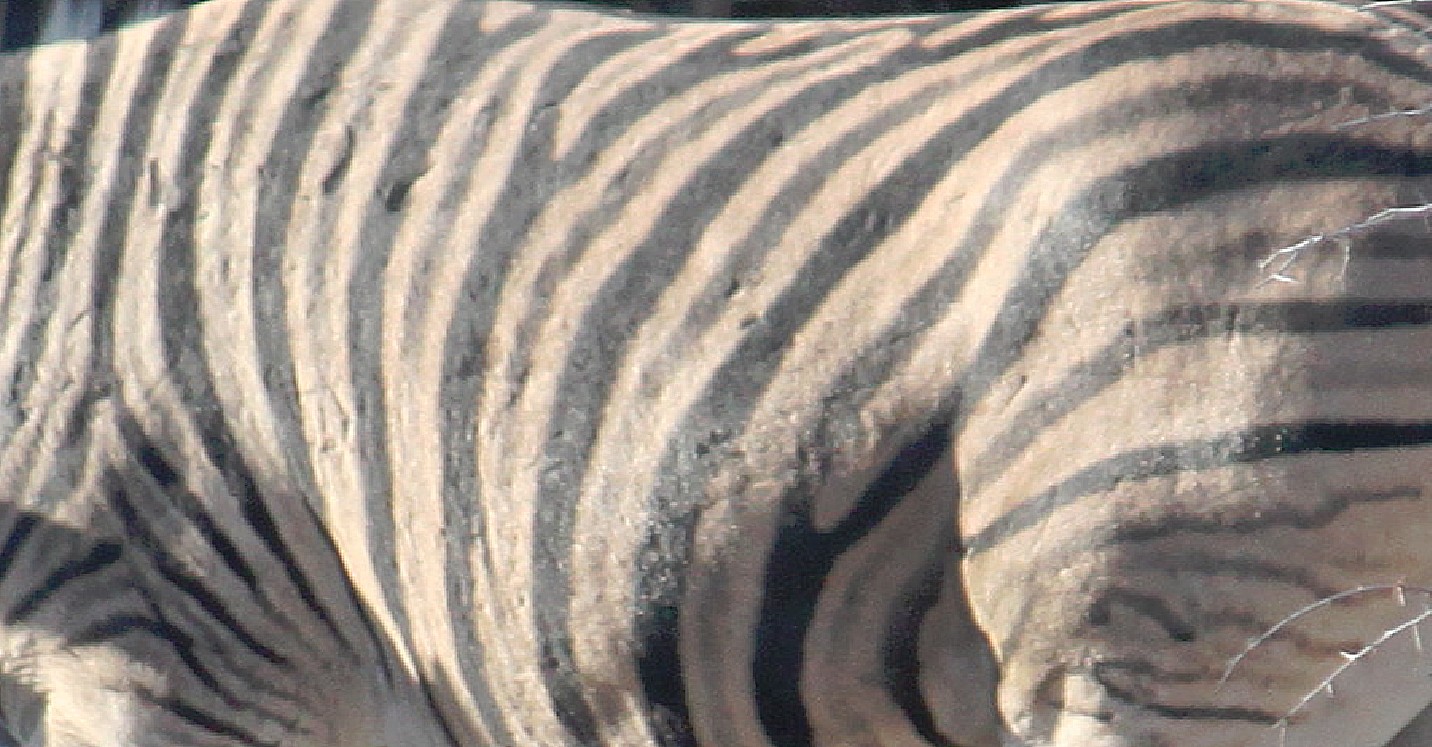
(491,374)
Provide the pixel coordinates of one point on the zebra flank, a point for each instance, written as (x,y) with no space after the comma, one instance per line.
(454,374)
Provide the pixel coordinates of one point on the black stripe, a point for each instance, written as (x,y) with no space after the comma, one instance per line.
(658,662)
(1027,22)
(177,575)
(101,556)
(441,712)
(1050,690)
(800,560)
(114,629)
(14,91)
(253,506)
(275,202)
(1300,517)
(112,14)
(139,122)
(1252,445)
(1209,561)
(1101,671)
(153,462)
(1151,607)
(464,346)
(204,721)
(118,15)
(15,539)
(7,730)
(405,161)
(900,654)
(1174,326)
(282,168)
(1166,41)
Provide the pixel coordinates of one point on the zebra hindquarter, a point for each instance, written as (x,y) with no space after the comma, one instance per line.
(1211,492)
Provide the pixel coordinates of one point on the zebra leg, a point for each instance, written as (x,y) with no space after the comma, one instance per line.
(85,648)
(61,683)
(155,607)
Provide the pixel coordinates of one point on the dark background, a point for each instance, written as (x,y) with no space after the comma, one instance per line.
(27,22)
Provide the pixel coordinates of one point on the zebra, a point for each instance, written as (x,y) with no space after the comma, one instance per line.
(460,373)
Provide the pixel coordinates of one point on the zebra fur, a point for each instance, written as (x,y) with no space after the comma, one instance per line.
(386,373)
